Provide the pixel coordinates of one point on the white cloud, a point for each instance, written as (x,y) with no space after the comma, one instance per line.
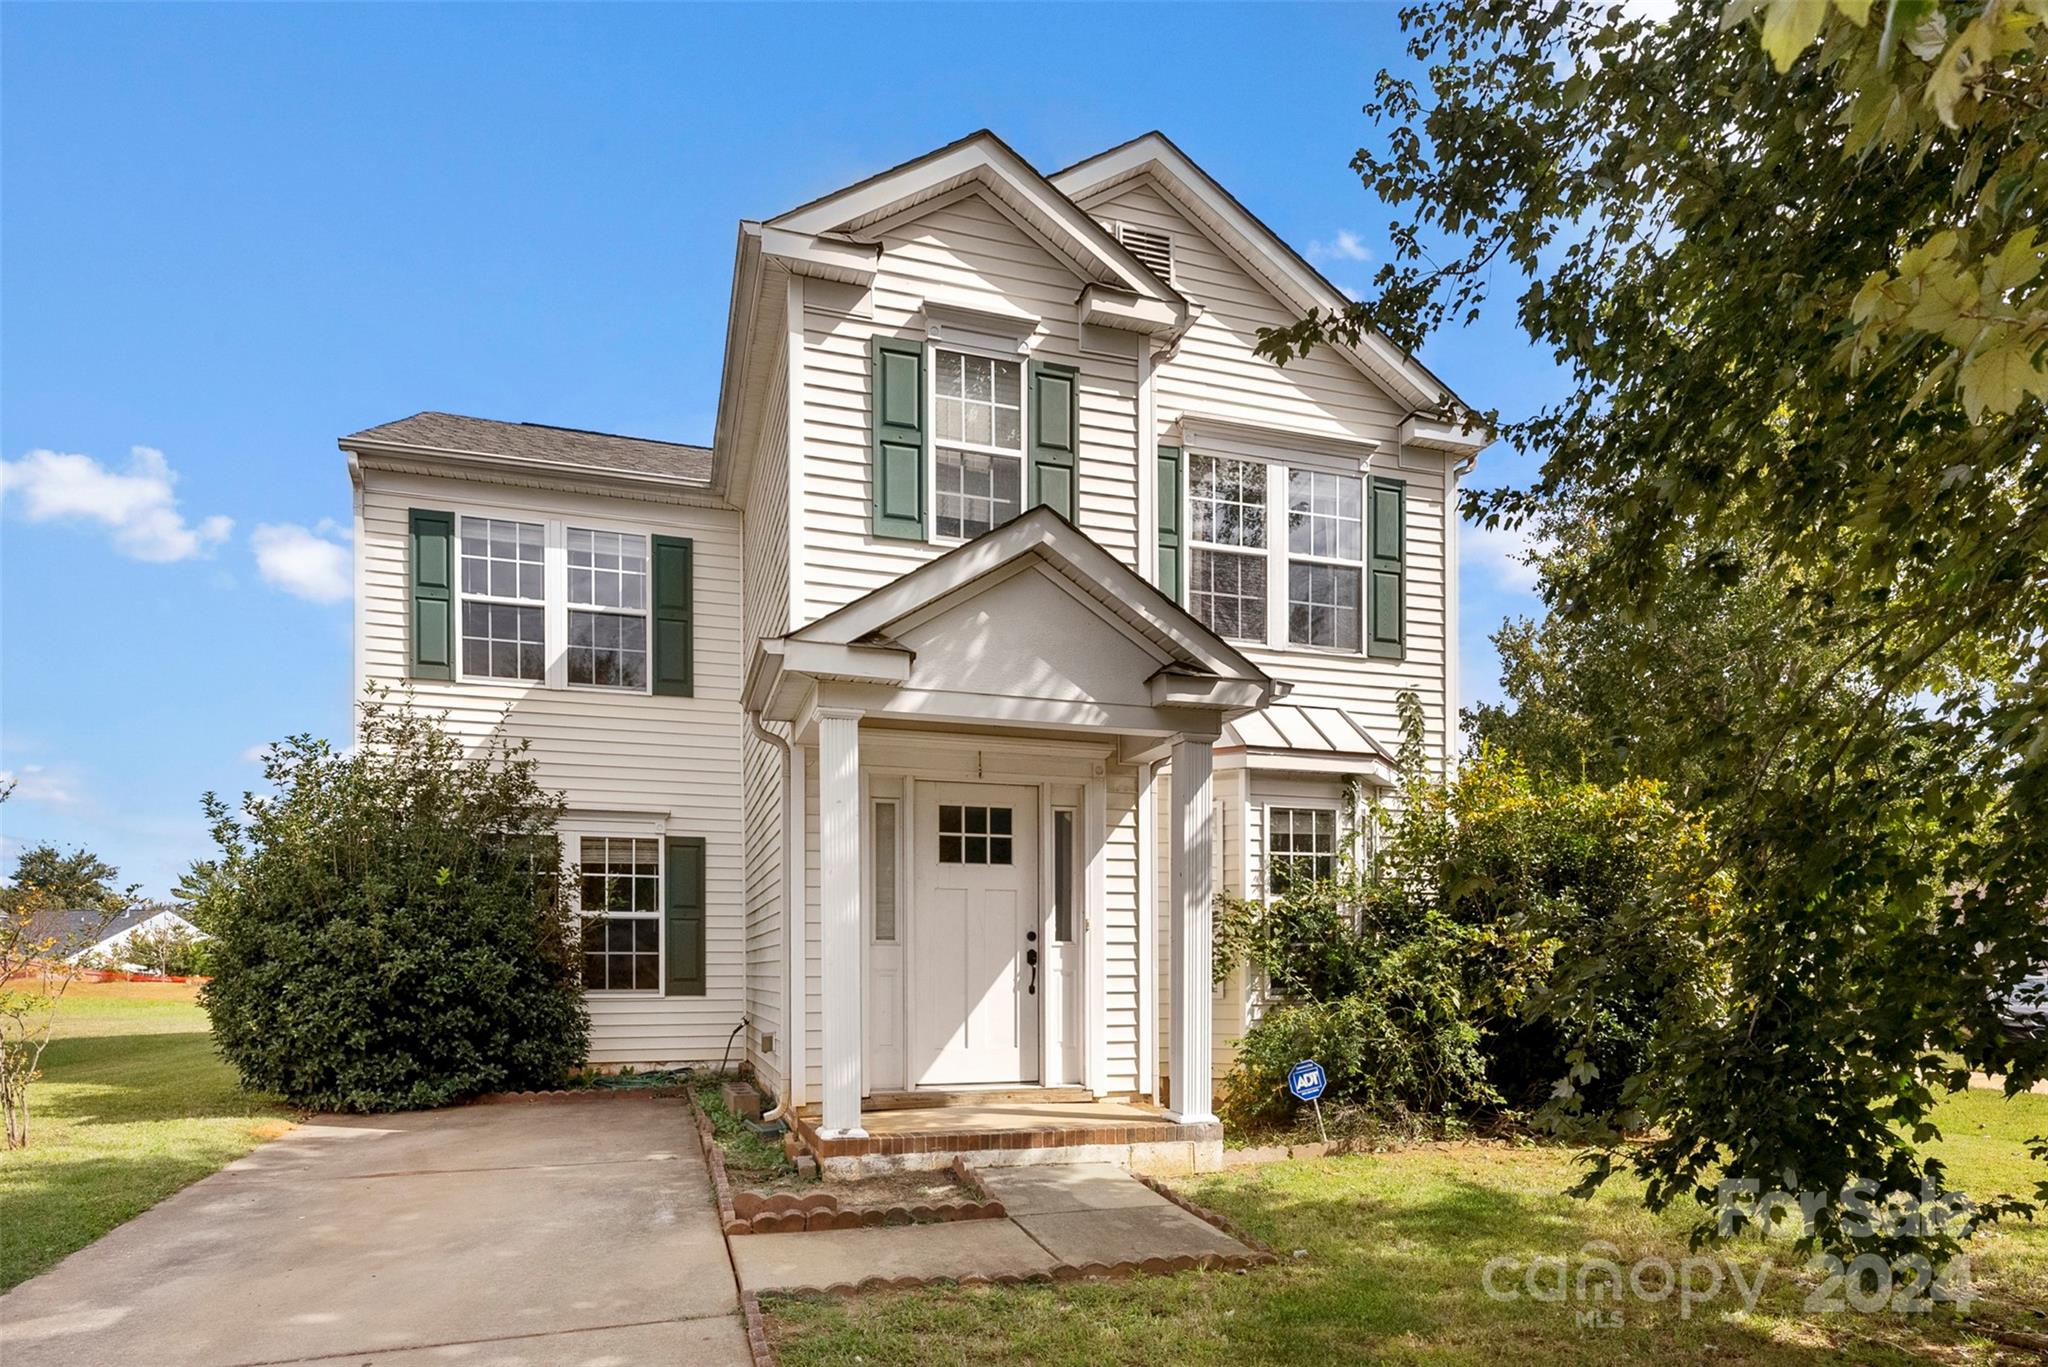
(1499,553)
(136,505)
(256,754)
(305,562)
(36,783)
(1346,246)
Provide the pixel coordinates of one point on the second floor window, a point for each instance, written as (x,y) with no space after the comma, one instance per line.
(978,422)
(1227,563)
(503,601)
(1277,554)
(607,609)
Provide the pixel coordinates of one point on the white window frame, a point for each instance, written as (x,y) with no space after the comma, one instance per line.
(555,604)
(463,597)
(1264,552)
(659,916)
(645,611)
(1276,552)
(1290,556)
(931,420)
(872,838)
(1266,855)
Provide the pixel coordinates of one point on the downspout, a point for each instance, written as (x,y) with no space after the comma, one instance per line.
(784,859)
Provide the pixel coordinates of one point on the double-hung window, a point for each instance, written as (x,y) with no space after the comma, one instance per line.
(607,609)
(1325,560)
(621,907)
(503,599)
(1301,846)
(1228,546)
(978,422)
(1276,553)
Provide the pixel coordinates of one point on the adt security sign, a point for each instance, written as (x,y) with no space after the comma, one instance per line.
(1306,1080)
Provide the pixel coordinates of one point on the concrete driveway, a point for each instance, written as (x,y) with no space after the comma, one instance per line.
(566,1232)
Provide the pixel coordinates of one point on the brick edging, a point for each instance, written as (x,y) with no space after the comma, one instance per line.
(1062,1272)
(1210,1217)
(757,1331)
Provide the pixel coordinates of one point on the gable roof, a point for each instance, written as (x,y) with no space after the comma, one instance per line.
(452,433)
(985,160)
(1297,283)
(1044,536)
(90,926)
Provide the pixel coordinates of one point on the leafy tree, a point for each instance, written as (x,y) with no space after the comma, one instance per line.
(170,950)
(387,922)
(1791,263)
(54,910)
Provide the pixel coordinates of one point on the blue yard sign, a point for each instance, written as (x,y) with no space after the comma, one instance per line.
(1306,1080)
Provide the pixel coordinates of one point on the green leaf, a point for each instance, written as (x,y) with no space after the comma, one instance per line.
(1790,26)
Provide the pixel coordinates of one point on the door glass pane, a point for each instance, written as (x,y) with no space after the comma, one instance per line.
(884,864)
(1063,877)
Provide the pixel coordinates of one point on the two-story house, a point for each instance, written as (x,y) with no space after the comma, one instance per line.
(1017,607)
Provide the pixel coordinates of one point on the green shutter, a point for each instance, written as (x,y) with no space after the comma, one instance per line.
(685,917)
(433,595)
(674,619)
(1170,542)
(1388,595)
(896,380)
(1055,436)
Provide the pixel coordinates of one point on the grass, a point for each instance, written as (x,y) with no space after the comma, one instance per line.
(133,1104)
(1392,1246)
(750,1160)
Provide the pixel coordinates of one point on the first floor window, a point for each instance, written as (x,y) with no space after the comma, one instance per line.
(1301,846)
(1063,891)
(621,906)
(503,632)
(978,424)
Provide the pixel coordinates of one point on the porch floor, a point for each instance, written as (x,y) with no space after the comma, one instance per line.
(1007,1133)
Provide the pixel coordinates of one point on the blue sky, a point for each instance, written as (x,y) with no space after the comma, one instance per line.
(230,234)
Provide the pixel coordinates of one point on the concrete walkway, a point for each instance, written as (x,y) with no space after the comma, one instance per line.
(1070,1215)
(569,1232)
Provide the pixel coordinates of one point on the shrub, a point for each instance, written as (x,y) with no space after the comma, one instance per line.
(386,924)
(1509,942)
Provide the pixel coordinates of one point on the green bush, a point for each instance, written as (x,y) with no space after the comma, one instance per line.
(1509,942)
(386,932)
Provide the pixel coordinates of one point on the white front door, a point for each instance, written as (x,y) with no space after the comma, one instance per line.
(974,1004)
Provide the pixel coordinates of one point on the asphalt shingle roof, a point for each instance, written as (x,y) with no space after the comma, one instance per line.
(533,441)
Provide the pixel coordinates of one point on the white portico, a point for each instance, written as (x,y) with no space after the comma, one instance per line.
(983,735)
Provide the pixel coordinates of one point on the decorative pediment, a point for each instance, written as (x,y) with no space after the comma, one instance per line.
(1033,623)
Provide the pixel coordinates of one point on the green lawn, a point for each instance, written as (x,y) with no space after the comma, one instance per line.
(1393,1246)
(132,1105)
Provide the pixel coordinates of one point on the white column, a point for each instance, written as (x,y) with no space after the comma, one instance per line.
(1191,886)
(839,880)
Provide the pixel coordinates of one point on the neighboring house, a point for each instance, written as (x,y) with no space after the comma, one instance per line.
(1017,607)
(108,943)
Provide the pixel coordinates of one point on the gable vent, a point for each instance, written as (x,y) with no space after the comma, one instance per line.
(1155,250)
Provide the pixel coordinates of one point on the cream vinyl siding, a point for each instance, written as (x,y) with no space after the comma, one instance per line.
(606,751)
(966,252)
(1217,374)
(766,525)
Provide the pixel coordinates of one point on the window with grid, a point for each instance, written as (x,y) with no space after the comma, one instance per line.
(978,422)
(1301,846)
(1325,560)
(607,609)
(503,617)
(1227,544)
(621,906)
(974,835)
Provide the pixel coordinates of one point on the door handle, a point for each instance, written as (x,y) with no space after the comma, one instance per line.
(1031,958)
